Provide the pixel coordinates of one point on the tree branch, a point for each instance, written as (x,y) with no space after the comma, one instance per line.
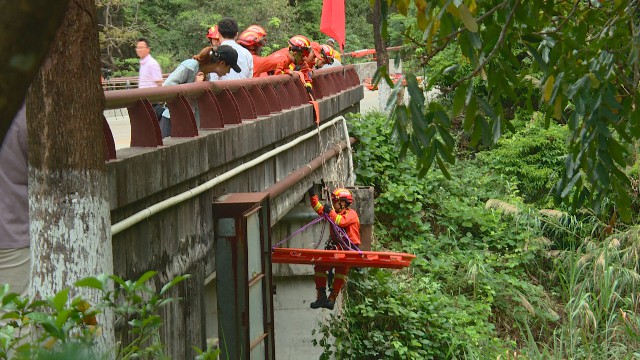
(22,49)
(449,37)
(491,54)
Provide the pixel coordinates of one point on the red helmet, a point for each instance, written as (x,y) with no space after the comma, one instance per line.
(327,53)
(301,44)
(250,39)
(258,29)
(213,32)
(342,194)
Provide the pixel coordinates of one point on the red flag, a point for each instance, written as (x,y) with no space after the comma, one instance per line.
(332,21)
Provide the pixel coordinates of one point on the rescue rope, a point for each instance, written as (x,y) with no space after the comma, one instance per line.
(314,221)
(341,234)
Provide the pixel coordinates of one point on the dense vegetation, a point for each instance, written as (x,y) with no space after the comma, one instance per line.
(177,29)
(497,276)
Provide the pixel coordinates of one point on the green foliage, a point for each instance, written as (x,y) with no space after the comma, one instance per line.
(64,328)
(576,55)
(177,29)
(488,282)
(475,261)
(532,158)
(398,316)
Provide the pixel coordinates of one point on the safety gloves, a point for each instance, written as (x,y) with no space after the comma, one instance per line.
(327,208)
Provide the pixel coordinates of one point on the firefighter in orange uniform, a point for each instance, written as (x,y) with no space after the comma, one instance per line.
(253,39)
(347,218)
(214,36)
(321,56)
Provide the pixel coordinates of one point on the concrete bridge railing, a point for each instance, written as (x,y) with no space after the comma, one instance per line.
(254,135)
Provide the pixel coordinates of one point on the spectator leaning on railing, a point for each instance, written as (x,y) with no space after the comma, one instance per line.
(218,61)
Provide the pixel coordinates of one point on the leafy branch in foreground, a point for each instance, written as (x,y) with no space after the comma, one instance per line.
(576,62)
(59,327)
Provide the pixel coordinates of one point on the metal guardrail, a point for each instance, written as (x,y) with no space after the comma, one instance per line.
(123,83)
(220,103)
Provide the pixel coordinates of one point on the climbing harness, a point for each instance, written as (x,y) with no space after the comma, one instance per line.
(341,236)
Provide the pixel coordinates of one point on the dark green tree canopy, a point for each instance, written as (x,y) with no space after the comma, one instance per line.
(576,61)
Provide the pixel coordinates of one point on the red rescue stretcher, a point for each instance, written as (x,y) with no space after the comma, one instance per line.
(391,260)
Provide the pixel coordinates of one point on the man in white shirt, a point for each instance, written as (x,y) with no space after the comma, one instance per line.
(228,29)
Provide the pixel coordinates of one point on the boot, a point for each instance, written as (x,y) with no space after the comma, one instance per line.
(320,300)
(331,301)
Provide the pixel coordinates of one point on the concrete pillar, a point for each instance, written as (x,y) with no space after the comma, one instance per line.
(363,203)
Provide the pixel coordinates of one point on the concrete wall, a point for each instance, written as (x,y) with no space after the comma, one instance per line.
(179,240)
(367,69)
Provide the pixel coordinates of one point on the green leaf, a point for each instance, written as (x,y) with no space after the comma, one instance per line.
(446,137)
(176,280)
(467,19)
(470,115)
(430,156)
(119,280)
(496,130)
(403,149)
(623,201)
(62,317)
(459,98)
(392,100)
(402,6)
(10,315)
(443,168)
(617,151)
(603,175)
(36,304)
(441,115)
(415,92)
(8,298)
(548,88)
(445,152)
(401,123)
(146,276)
(486,108)
(476,135)
(537,57)
(581,84)
(532,38)
(59,301)
(90,282)
(425,136)
(571,183)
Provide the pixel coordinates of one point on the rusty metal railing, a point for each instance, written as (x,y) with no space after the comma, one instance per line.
(220,103)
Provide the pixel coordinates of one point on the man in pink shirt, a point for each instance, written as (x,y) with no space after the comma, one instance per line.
(150,71)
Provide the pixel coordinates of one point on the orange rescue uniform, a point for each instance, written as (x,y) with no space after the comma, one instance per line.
(346,219)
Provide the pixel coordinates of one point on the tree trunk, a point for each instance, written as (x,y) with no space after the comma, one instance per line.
(27,28)
(382,57)
(68,205)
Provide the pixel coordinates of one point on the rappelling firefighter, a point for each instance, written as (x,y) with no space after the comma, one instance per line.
(346,218)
